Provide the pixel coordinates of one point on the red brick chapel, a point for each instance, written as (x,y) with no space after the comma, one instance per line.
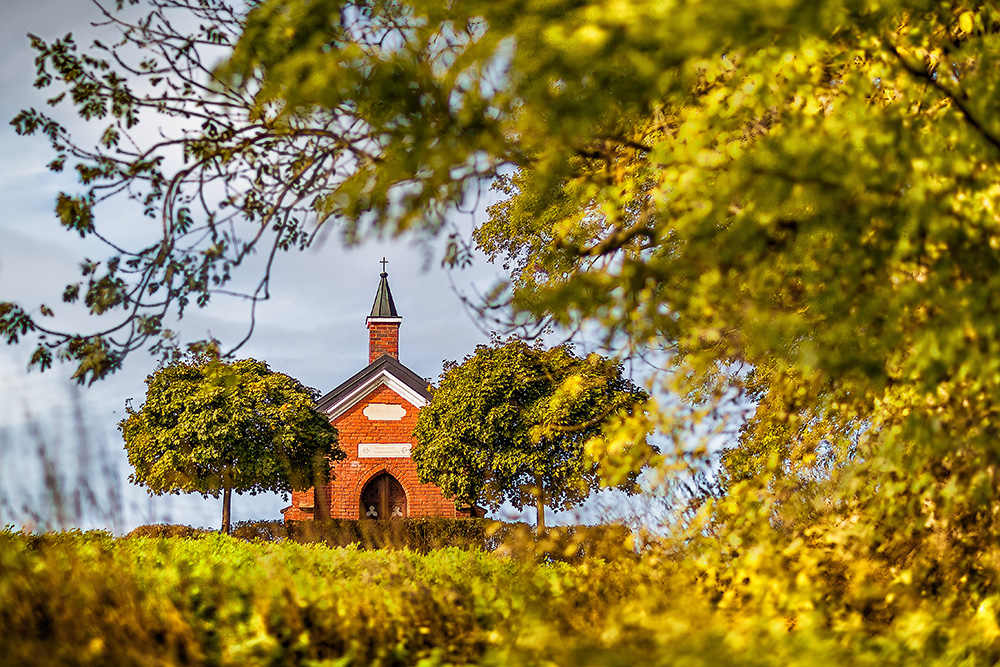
(375,412)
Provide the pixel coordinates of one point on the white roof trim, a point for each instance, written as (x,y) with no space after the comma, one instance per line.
(383,378)
(383,320)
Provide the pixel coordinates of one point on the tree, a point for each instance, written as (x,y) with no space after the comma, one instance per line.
(511,424)
(784,436)
(804,187)
(215,427)
(222,172)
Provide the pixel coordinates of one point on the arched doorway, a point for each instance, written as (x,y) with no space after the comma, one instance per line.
(383,498)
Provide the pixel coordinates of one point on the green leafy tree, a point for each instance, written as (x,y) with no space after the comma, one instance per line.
(215,427)
(785,437)
(511,424)
(807,188)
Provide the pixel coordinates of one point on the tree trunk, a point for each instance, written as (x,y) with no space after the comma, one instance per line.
(227,497)
(321,506)
(539,505)
(321,499)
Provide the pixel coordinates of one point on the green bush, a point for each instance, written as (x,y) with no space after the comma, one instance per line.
(417,534)
(266,531)
(167,530)
(571,544)
(90,599)
(563,543)
(67,600)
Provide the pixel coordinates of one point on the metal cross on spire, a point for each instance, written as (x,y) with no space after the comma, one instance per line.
(384,307)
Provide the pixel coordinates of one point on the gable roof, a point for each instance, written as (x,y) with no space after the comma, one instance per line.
(385,370)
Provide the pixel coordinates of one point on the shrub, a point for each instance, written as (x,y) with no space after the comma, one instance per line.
(90,599)
(417,534)
(167,530)
(67,600)
(571,544)
(424,534)
(266,531)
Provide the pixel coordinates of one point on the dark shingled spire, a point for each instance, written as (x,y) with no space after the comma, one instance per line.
(384,306)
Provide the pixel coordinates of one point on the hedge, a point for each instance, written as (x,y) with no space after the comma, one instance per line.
(562,543)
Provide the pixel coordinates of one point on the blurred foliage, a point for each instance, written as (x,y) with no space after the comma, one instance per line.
(794,201)
(51,483)
(89,599)
(571,544)
(214,427)
(424,534)
(781,439)
(788,200)
(511,422)
(168,530)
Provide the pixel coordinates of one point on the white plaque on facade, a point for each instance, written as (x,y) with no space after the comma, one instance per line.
(384,412)
(384,451)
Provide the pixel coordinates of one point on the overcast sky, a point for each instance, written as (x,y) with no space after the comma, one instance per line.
(313,328)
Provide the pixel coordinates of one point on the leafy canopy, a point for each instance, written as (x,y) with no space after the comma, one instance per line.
(212,427)
(511,423)
(805,188)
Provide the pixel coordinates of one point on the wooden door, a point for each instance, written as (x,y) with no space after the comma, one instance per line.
(383,498)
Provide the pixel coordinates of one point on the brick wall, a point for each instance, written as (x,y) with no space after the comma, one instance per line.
(351,474)
(383,338)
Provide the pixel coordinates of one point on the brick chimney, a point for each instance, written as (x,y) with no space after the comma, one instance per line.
(383,323)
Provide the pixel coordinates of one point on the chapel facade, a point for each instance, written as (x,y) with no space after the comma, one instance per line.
(375,412)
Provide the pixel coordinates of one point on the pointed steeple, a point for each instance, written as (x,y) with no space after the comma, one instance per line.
(384,305)
(383,323)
